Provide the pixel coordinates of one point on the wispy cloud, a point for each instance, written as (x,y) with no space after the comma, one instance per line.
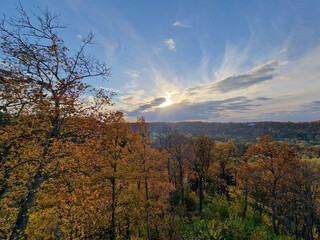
(171,44)
(235,56)
(113,90)
(133,74)
(74,4)
(255,76)
(130,99)
(180,24)
(156,50)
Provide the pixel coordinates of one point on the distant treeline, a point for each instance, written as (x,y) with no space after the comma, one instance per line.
(303,131)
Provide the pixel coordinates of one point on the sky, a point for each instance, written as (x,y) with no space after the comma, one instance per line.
(205,60)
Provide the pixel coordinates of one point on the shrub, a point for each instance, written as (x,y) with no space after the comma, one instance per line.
(191,201)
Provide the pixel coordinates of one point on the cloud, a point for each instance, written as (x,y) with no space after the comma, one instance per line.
(117,91)
(133,74)
(156,50)
(131,99)
(171,44)
(305,112)
(142,108)
(257,75)
(74,4)
(193,111)
(312,107)
(261,89)
(180,24)
(198,103)
(253,77)
(262,99)
(235,57)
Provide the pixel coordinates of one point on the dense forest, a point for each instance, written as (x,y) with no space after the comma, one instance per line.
(303,132)
(71,169)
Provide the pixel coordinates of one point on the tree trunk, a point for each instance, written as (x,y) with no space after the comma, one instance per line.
(168,166)
(246,201)
(273,207)
(127,228)
(4,184)
(113,206)
(170,181)
(147,198)
(310,211)
(23,215)
(6,175)
(296,231)
(181,184)
(200,194)
(296,222)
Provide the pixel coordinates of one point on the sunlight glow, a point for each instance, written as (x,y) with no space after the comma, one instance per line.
(168,101)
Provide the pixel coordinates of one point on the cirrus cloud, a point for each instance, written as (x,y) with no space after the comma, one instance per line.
(180,24)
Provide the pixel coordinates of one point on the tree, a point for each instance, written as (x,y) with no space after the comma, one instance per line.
(43,84)
(300,208)
(150,181)
(179,162)
(223,165)
(110,149)
(202,146)
(268,171)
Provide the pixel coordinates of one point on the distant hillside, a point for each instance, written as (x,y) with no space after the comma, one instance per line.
(304,131)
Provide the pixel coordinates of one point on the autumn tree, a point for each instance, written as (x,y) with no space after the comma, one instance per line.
(150,182)
(179,162)
(300,209)
(309,196)
(202,147)
(100,164)
(43,86)
(223,166)
(268,171)
(110,150)
(81,205)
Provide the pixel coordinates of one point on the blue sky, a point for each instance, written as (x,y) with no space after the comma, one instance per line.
(201,60)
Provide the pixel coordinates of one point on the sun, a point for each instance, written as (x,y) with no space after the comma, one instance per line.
(168,101)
